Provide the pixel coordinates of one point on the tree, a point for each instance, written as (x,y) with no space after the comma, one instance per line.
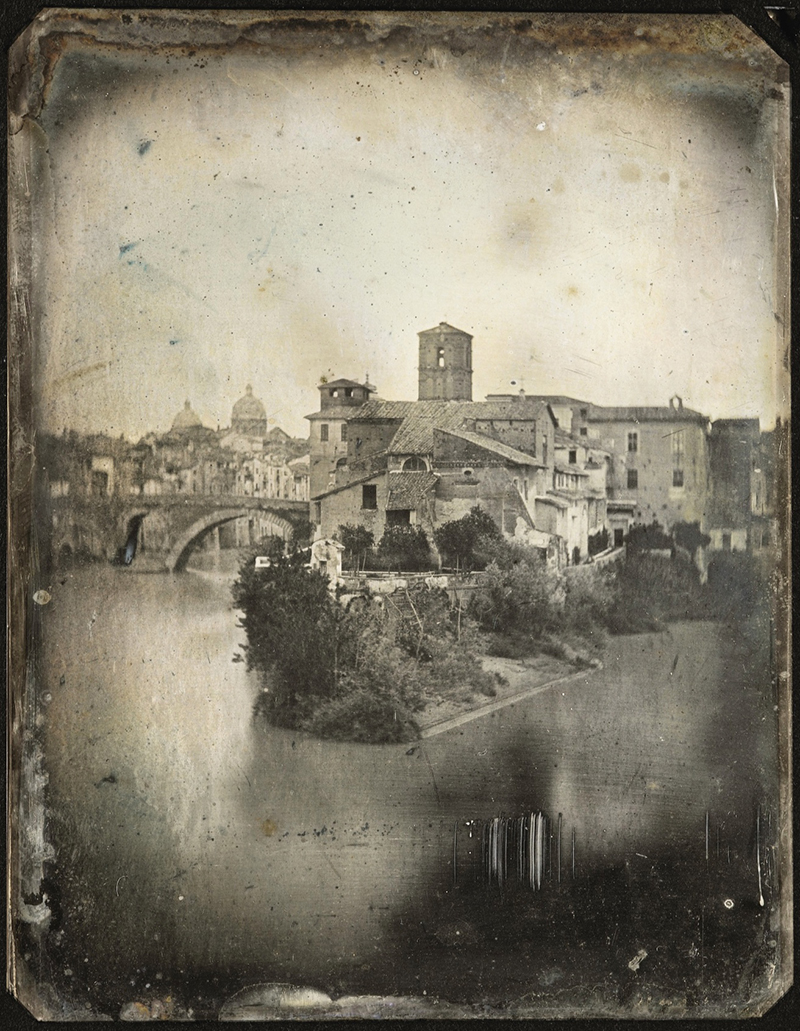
(302,534)
(291,624)
(690,537)
(405,548)
(273,547)
(357,541)
(463,540)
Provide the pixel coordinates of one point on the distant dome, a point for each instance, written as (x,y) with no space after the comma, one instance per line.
(187,419)
(249,416)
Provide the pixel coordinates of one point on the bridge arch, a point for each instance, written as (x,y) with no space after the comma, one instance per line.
(180,551)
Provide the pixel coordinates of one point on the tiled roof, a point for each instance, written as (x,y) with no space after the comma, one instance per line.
(561,399)
(552,499)
(347,486)
(406,490)
(512,454)
(419,418)
(343,383)
(336,412)
(445,326)
(646,414)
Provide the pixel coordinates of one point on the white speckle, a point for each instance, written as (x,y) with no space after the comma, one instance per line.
(728,903)
(180,898)
(42,597)
(541,126)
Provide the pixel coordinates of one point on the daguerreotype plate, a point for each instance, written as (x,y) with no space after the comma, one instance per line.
(399,515)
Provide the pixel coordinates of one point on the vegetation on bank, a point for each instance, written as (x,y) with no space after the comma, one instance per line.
(364,671)
(360,672)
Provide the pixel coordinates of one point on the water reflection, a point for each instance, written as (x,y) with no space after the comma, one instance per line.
(195,837)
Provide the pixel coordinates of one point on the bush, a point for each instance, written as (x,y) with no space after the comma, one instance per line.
(357,542)
(648,538)
(291,629)
(360,674)
(520,598)
(598,542)
(466,543)
(405,548)
(651,590)
(588,598)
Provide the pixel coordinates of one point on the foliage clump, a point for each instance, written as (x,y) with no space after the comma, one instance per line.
(405,548)
(358,673)
(357,542)
(468,543)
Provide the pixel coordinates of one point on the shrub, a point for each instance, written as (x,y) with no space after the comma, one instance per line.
(598,542)
(689,536)
(405,548)
(464,542)
(648,538)
(291,629)
(362,715)
(588,597)
(360,674)
(357,542)
(520,598)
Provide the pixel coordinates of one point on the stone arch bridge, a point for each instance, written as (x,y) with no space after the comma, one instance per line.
(158,533)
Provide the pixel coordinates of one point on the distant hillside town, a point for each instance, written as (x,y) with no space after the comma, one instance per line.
(566,476)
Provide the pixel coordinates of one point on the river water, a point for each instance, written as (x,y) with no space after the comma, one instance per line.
(191,838)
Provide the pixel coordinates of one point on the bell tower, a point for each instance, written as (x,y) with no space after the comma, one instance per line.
(445,364)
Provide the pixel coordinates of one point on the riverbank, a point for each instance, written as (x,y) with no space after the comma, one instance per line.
(515,680)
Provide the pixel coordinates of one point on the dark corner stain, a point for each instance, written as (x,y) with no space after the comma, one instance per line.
(143,147)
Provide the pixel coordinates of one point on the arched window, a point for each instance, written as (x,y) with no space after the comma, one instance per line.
(441,357)
(415,465)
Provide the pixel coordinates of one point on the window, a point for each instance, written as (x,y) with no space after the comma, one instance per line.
(677,458)
(369,496)
(348,391)
(584,431)
(317,512)
(399,517)
(99,487)
(584,412)
(726,542)
(467,474)
(415,464)
(633,441)
(633,479)
(343,434)
(323,431)
(573,457)
(440,357)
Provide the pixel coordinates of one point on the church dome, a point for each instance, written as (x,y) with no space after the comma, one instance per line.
(187,419)
(249,416)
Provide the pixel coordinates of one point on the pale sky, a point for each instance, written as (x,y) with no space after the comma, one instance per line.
(602,220)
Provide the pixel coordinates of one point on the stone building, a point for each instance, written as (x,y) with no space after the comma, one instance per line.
(660,462)
(339,402)
(430,461)
(445,364)
(742,504)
